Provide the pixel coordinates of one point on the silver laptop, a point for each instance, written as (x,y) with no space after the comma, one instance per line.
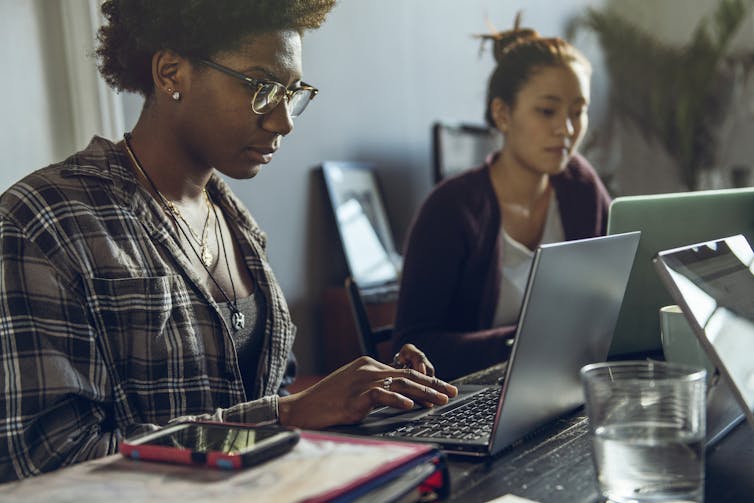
(713,282)
(572,298)
(667,221)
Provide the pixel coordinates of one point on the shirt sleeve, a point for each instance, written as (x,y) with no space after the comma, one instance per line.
(55,385)
(262,410)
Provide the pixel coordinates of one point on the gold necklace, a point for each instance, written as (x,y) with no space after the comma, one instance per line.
(205,254)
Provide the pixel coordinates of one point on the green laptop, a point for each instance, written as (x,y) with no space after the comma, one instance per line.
(668,221)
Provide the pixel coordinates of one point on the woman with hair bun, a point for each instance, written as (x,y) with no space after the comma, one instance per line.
(472,242)
(134,285)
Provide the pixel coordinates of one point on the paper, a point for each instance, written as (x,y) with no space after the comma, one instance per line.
(510,498)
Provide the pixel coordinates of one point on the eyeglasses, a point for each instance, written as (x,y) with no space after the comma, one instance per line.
(268,94)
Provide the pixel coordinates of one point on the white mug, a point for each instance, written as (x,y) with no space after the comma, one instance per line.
(679,342)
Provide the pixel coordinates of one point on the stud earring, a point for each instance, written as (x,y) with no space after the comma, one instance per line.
(176,95)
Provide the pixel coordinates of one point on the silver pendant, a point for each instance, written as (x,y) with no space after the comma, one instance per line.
(206,256)
(238,320)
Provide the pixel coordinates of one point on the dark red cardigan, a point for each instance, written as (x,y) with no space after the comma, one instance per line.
(451,272)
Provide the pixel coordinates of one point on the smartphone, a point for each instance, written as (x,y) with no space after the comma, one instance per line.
(220,445)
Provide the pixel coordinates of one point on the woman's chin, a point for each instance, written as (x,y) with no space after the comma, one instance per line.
(253,171)
(243,172)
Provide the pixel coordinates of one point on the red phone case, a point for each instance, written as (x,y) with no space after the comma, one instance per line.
(133,449)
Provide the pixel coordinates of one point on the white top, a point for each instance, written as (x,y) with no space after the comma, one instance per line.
(517,260)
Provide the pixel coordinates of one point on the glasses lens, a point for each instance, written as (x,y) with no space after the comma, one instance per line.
(267,97)
(299,101)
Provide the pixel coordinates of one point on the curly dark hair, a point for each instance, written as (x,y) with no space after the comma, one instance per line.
(136,29)
(519,52)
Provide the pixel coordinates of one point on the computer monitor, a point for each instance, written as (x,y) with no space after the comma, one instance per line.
(668,221)
(362,223)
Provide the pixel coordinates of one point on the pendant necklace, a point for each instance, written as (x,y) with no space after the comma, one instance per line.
(203,241)
(238,320)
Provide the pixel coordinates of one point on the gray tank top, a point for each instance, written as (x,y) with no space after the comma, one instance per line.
(248,340)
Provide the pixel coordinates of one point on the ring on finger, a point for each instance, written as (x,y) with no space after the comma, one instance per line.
(398,364)
(386,383)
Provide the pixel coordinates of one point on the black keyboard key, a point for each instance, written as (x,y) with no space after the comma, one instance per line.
(470,420)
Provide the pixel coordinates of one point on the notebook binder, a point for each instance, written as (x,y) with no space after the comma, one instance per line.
(421,470)
(322,467)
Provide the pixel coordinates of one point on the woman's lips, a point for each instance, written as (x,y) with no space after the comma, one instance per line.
(260,155)
(561,151)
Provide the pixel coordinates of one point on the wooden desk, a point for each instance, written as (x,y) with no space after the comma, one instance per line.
(555,465)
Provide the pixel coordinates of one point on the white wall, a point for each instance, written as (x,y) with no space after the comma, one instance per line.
(53,100)
(36,120)
(386,69)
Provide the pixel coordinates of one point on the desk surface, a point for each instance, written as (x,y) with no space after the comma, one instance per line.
(552,465)
(555,465)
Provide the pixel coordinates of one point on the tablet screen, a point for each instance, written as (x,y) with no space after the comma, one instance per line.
(715,282)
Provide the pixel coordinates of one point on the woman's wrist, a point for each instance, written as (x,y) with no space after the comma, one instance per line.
(285,413)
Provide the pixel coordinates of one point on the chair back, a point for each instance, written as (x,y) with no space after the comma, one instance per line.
(369,337)
(458,147)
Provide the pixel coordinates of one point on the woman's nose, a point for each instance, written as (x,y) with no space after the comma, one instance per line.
(565,128)
(278,120)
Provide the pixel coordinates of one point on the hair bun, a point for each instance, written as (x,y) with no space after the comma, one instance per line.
(503,41)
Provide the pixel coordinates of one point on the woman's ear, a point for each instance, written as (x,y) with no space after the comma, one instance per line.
(500,114)
(169,73)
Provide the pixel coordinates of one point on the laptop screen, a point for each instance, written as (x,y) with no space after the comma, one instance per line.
(668,221)
(715,282)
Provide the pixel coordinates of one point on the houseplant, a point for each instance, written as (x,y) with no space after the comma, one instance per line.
(676,96)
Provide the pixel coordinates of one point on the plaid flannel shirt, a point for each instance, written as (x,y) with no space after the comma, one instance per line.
(105,328)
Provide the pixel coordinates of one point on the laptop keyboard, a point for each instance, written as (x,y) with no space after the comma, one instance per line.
(472,420)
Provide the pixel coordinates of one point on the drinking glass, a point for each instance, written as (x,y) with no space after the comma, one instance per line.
(647,421)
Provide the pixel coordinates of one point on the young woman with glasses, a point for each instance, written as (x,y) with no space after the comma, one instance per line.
(134,286)
(471,244)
